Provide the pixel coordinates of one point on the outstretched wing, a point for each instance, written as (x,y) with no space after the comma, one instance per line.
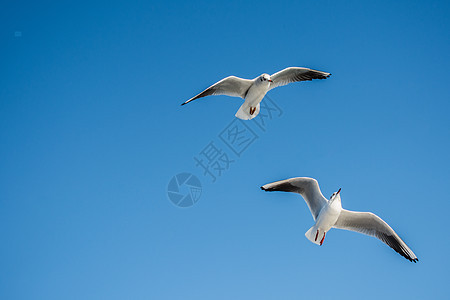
(370,224)
(294,74)
(307,187)
(230,86)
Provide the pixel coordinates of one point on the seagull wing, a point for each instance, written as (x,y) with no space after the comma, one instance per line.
(294,74)
(230,86)
(371,224)
(307,187)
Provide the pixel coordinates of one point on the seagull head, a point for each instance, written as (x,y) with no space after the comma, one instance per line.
(265,77)
(336,195)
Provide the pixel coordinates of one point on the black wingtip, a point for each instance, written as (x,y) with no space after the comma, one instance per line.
(265,189)
(183,104)
(262,188)
(323,77)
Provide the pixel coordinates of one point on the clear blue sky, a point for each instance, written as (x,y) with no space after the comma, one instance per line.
(92,131)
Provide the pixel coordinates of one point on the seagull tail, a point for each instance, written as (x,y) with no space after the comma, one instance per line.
(246,112)
(314,235)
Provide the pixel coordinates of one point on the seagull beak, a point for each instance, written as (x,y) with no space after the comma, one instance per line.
(270,80)
(338,191)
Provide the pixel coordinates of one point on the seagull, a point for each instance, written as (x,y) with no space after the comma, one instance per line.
(253,91)
(330,214)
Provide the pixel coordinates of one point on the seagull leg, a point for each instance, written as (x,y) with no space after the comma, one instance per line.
(317,234)
(321,241)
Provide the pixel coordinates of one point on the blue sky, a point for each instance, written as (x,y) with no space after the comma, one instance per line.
(92,131)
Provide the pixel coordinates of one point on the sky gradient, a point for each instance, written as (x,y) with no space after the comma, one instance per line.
(92,132)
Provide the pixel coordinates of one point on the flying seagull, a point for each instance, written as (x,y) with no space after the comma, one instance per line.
(253,91)
(330,214)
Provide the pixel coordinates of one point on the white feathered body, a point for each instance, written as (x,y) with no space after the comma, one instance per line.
(253,91)
(254,96)
(325,221)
